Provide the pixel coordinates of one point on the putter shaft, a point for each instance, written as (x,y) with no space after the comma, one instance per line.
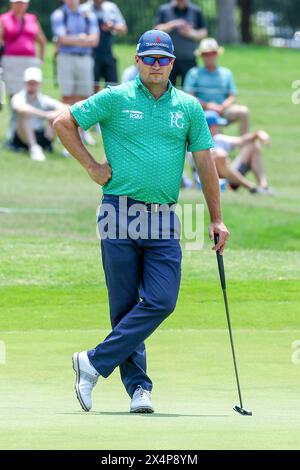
(240,409)
(232,347)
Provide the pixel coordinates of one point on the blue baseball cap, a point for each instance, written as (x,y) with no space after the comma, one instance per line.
(155,42)
(214,119)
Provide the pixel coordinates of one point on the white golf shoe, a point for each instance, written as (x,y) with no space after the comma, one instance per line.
(141,401)
(86,379)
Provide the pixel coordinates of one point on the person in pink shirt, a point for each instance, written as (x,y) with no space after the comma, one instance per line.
(19,33)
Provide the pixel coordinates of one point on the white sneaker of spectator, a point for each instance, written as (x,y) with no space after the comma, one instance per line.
(87,137)
(37,154)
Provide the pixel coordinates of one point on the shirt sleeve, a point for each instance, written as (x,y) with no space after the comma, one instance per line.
(51,104)
(118,17)
(224,142)
(189,84)
(57,23)
(160,17)
(200,23)
(231,85)
(97,108)
(199,136)
(93,27)
(18,100)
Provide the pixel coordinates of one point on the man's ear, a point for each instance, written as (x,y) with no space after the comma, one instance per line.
(136,59)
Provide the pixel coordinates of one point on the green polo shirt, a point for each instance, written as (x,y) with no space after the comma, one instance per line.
(145,140)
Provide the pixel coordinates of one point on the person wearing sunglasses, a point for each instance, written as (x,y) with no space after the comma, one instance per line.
(147,125)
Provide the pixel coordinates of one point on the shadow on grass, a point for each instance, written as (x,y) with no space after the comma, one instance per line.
(152,415)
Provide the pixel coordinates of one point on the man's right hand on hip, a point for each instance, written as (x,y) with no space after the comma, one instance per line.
(100,172)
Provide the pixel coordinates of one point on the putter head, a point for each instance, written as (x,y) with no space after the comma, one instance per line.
(242,411)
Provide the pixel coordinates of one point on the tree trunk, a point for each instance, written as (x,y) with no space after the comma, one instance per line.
(246,10)
(227,28)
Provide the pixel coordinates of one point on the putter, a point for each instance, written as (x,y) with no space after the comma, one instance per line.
(239,409)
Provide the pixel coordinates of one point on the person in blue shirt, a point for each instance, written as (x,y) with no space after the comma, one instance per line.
(214,86)
(76,33)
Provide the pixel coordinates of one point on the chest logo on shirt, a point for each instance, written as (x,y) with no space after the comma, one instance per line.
(134,114)
(177,119)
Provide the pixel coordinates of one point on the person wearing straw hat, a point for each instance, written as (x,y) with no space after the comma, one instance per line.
(214,86)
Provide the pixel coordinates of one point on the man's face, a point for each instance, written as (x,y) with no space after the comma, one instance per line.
(19,8)
(181,3)
(210,59)
(154,74)
(32,87)
(72,3)
(98,3)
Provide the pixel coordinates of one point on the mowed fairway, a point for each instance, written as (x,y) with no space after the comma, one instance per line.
(53,301)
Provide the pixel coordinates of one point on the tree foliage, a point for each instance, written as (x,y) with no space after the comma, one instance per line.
(140,14)
(288,10)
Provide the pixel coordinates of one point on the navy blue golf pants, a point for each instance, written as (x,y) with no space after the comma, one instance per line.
(142,278)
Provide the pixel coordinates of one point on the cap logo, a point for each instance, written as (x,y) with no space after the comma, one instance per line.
(158,40)
(161,44)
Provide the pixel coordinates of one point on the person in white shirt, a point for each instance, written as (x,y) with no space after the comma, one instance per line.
(129,73)
(249,158)
(33,116)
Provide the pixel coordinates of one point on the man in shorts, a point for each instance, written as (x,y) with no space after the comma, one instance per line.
(214,86)
(249,158)
(76,33)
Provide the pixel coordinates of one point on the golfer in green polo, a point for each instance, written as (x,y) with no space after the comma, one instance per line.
(147,126)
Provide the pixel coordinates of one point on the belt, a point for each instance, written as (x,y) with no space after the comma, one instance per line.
(78,54)
(152,207)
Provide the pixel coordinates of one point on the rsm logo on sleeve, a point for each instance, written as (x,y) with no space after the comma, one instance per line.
(177,119)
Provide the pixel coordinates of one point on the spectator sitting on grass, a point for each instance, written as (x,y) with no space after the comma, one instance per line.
(30,111)
(248,159)
(214,86)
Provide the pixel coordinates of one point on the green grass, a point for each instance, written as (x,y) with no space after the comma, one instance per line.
(53,299)
(193,395)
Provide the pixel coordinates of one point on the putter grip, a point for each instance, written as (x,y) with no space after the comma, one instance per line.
(220,264)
